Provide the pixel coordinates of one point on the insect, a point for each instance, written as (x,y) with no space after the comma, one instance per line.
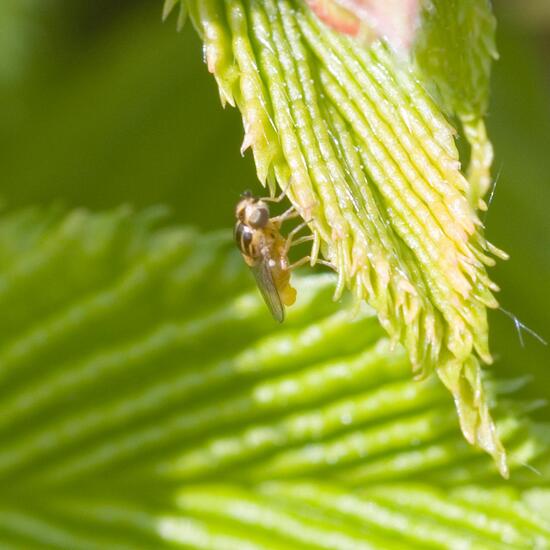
(265,250)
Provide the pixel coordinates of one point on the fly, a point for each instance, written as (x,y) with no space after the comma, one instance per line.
(265,250)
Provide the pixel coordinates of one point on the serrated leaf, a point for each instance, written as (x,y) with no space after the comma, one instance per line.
(150,400)
(353,137)
(454,51)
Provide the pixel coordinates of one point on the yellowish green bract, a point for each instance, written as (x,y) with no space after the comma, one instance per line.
(365,151)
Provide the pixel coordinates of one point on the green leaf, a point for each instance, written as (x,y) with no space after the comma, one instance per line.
(454,51)
(149,400)
(354,138)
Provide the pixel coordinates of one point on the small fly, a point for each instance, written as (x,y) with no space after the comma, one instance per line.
(265,250)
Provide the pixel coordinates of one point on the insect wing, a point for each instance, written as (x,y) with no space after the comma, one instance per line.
(270,294)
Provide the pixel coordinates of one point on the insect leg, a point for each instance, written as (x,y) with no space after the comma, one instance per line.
(278,198)
(286,215)
(305,239)
(292,234)
(306,259)
(300,262)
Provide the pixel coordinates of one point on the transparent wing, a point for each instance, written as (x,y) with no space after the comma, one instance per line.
(270,294)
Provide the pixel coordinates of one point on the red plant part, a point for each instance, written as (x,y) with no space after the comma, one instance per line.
(395,20)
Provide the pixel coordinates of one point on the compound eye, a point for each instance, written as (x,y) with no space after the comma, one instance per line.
(243,236)
(259,217)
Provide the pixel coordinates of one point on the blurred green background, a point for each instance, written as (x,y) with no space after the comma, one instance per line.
(103,104)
